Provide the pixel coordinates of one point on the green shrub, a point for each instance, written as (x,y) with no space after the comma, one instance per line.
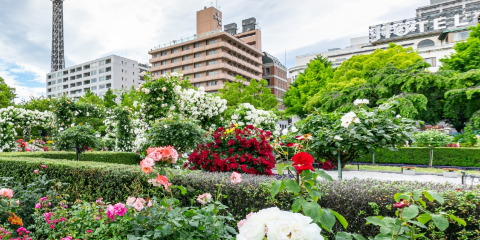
(354,199)
(107,157)
(459,157)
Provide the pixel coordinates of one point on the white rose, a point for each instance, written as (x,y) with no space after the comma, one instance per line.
(143,73)
(285,131)
(147,91)
(338,138)
(293,226)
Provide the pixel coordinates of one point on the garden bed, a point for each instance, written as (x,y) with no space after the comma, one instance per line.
(354,199)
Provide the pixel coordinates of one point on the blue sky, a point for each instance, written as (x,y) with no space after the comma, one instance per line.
(128,28)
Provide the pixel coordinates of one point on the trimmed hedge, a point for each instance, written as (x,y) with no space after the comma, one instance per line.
(106,157)
(459,157)
(354,199)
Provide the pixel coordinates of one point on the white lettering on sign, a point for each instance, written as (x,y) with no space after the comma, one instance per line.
(421,26)
(439,23)
(402,30)
(458,23)
(217,17)
(386,31)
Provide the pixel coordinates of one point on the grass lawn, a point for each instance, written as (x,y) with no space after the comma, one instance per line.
(398,169)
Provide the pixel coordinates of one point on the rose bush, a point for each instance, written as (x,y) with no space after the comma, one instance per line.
(234,149)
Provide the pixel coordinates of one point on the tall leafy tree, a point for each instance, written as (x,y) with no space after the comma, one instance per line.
(318,72)
(38,103)
(109,99)
(91,99)
(256,93)
(7,94)
(467,54)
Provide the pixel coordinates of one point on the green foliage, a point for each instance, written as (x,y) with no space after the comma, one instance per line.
(255,93)
(459,157)
(182,134)
(7,94)
(432,139)
(371,130)
(109,99)
(309,83)
(468,138)
(102,157)
(130,98)
(467,54)
(79,138)
(41,103)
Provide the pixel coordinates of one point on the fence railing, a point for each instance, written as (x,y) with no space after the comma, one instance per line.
(473,179)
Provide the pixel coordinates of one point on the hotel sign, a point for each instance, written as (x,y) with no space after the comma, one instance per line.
(418,26)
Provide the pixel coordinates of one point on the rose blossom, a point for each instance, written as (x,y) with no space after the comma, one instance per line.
(302,161)
(6,192)
(235,178)
(241,223)
(43,166)
(35,171)
(204,198)
(38,206)
(138,205)
(43,199)
(293,226)
(155,155)
(111,212)
(131,201)
(120,209)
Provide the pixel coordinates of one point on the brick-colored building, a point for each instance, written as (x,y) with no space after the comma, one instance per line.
(276,75)
(212,56)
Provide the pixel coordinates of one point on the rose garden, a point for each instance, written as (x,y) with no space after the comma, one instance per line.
(174,162)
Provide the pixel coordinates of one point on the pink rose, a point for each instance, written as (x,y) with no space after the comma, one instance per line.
(138,205)
(89,231)
(38,206)
(148,162)
(235,178)
(120,209)
(111,212)
(150,204)
(43,199)
(131,201)
(35,171)
(204,198)
(6,192)
(240,224)
(43,166)
(155,156)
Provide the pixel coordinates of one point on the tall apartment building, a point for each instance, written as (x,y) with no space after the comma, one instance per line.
(275,73)
(98,76)
(432,33)
(212,56)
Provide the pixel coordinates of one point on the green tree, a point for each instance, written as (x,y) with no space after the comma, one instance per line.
(79,138)
(7,94)
(129,97)
(38,103)
(309,83)
(256,93)
(90,99)
(467,54)
(109,99)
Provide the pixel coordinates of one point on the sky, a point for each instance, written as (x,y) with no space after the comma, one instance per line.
(130,28)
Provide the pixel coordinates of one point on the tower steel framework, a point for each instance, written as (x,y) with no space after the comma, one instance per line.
(58,57)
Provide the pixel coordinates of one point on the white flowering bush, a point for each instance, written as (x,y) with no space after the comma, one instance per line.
(11,118)
(200,105)
(247,114)
(119,130)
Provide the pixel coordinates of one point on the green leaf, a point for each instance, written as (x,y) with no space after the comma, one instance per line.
(341,219)
(435,196)
(417,195)
(281,167)
(276,187)
(410,212)
(458,220)
(375,221)
(313,210)
(324,175)
(297,204)
(358,236)
(418,224)
(422,202)
(343,236)
(440,221)
(292,185)
(315,194)
(385,230)
(182,189)
(424,218)
(328,219)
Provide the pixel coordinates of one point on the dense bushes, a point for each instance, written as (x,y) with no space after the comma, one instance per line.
(354,199)
(107,157)
(460,157)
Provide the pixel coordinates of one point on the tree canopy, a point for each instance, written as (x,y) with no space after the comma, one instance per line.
(256,93)
(109,99)
(7,94)
(467,54)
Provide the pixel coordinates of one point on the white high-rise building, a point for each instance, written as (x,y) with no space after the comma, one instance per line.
(98,76)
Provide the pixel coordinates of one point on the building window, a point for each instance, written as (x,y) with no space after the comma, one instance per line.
(198,65)
(267,71)
(164,71)
(186,48)
(268,81)
(101,70)
(101,79)
(198,55)
(212,83)
(164,53)
(59,80)
(186,67)
(175,50)
(197,75)
(198,45)
(93,88)
(175,70)
(94,72)
(186,57)
(108,77)
(101,86)
(164,62)
(101,63)
(197,85)
(175,60)
(155,65)
(212,52)
(459,36)
(212,41)
(426,43)
(212,62)
(155,56)
(211,73)
(432,61)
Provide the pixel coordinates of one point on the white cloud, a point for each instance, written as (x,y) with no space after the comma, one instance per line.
(22,91)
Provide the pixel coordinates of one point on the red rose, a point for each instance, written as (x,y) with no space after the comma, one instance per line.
(303,161)
(290,144)
(399,205)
